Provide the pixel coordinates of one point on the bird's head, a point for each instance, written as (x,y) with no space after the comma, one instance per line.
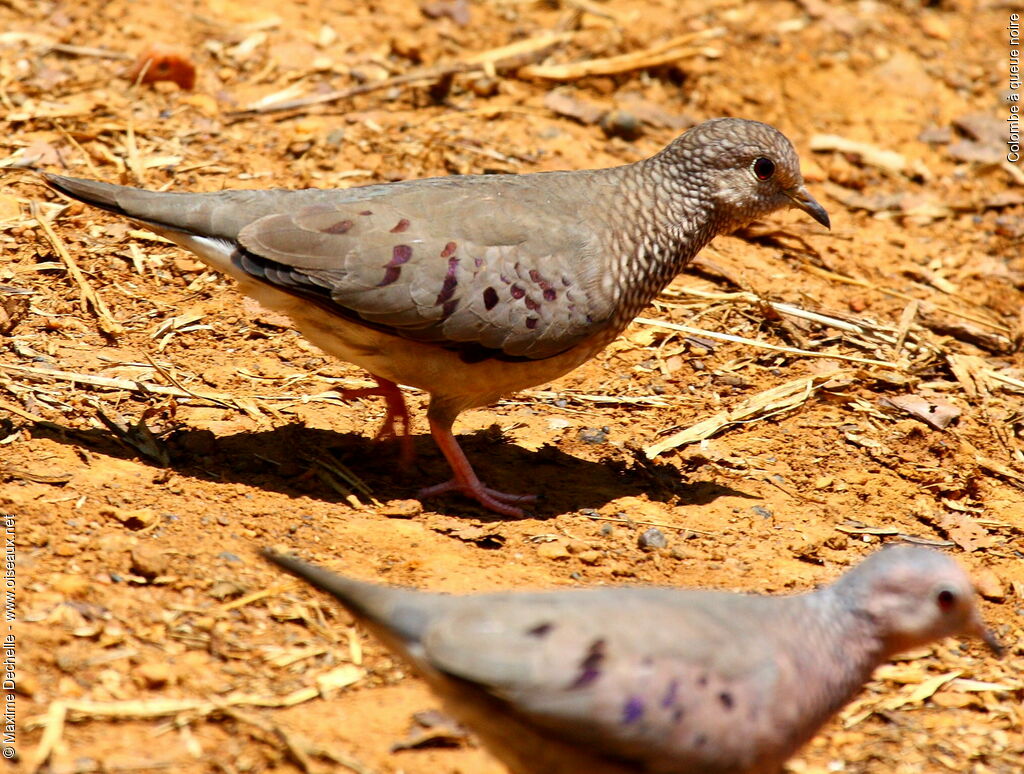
(749,169)
(914,596)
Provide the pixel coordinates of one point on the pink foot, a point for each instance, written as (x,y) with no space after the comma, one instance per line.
(466,481)
(396,422)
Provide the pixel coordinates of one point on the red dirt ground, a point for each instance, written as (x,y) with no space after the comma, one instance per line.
(146,616)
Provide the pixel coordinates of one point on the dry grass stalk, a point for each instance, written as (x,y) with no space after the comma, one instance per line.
(769,403)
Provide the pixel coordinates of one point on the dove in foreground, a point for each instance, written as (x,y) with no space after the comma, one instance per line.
(472,287)
(659,680)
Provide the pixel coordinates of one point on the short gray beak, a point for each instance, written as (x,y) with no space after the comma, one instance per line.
(989,639)
(802,198)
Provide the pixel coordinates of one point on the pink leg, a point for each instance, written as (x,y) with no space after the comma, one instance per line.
(396,422)
(465,480)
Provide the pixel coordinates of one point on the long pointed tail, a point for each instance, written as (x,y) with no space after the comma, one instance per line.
(397,614)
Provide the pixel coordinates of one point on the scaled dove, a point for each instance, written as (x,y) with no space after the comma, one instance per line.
(658,680)
(471,287)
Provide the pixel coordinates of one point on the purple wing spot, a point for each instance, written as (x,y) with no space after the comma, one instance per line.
(677,714)
(449,308)
(449,250)
(670,695)
(517,292)
(590,666)
(566,281)
(400,226)
(531,322)
(532,305)
(391,274)
(632,710)
(727,700)
(478,262)
(702,681)
(400,254)
(450,281)
(490,299)
(535,276)
(550,294)
(341,227)
(541,630)
(366,212)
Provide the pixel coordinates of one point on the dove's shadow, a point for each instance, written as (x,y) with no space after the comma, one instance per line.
(299,461)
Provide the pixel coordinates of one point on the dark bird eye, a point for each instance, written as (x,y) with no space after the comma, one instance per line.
(764,168)
(946,600)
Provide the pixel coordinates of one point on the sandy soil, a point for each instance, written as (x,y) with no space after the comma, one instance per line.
(148,623)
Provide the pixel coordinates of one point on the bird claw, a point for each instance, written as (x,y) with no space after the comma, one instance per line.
(500,502)
(397,423)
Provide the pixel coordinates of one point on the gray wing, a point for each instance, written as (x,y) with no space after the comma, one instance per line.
(503,263)
(665,684)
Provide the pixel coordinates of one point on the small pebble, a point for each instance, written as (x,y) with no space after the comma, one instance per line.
(148,561)
(154,675)
(594,435)
(403,509)
(620,123)
(652,539)
(760,510)
(553,550)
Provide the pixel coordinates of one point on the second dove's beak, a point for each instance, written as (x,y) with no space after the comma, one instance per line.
(802,199)
(986,636)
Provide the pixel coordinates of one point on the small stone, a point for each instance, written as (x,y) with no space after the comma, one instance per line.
(576,547)
(134,519)
(652,539)
(553,550)
(989,585)
(594,435)
(153,675)
(621,123)
(402,509)
(590,557)
(71,585)
(223,589)
(149,561)
(760,510)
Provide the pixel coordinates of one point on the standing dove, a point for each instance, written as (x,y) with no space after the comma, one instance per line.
(657,680)
(471,287)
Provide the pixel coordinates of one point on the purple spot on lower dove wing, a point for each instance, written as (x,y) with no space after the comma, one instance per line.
(400,254)
(540,630)
(590,666)
(366,212)
(532,305)
(517,292)
(726,699)
(449,250)
(632,710)
(490,299)
(449,308)
(670,695)
(550,294)
(341,227)
(400,226)
(450,282)
(391,274)
(531,322)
